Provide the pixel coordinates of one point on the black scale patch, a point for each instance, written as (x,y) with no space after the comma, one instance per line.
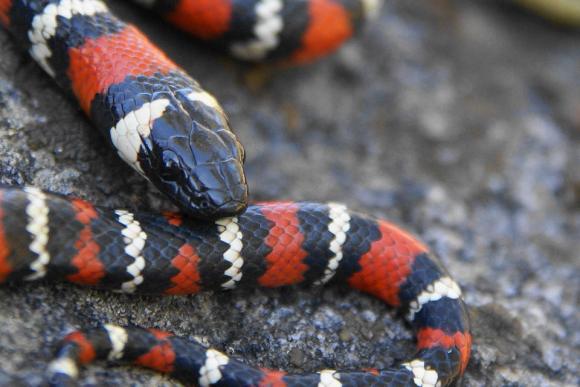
(189,358)
(14,222)
(304,380)
(356,10)
(107,232)
(444,361)
(255,229)
(242,22)
(314,221)
(295,16)
(164,6)
(362,233)
(131,94)
(447,314)
(400,377)
(210,249)
(99,338)
(162,245)
(64,231)
(236,373)
(139,342)
(424,271)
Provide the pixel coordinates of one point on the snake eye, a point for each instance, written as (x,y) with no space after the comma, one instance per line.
(171,165)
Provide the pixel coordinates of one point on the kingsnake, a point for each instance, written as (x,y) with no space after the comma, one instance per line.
(173,132)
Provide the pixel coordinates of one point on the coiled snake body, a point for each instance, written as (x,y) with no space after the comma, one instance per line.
(174,133)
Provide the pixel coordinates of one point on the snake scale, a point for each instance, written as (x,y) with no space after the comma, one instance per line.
(173,132)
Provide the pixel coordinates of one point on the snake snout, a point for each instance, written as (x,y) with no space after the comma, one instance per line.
(222,188)
(228,206)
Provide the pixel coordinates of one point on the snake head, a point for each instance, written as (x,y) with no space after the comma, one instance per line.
(196,160)
(203,177)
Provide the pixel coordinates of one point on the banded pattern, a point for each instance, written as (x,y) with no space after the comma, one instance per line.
(159,120)
(267,29)
(338,226)
(296,31)
(163,124)
(37,226)
(278,244)
(229,232)
(134,238)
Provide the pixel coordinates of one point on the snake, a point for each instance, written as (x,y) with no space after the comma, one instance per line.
(170,130)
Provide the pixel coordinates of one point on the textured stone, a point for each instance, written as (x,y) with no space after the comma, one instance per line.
(458,120)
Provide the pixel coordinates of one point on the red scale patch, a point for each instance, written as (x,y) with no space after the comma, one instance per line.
(387,264)
(272,378)
(87,351)
(161,357)
(187,281)
(372,371)
(285,261)
(5,6)
(329,27)
(90,268)
(173,218)
(5,267)
(431,337)
(205,19)
(109,59)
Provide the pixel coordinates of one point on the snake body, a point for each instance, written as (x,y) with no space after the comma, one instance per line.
(173,132)
(294,31)
(271,245)
(157,118)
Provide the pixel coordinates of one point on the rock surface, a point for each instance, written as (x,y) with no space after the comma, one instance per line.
(459,120)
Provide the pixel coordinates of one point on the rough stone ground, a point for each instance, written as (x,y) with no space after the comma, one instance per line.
(457,119)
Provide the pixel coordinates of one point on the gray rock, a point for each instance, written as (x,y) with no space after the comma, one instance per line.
(458,120)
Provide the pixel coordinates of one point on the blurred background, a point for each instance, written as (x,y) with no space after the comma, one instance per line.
(459,120)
